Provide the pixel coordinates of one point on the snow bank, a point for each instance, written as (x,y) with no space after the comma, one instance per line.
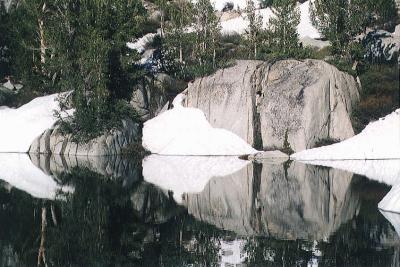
(19,171)
(187,174)
(141,44)
(239,24)
(379,140)
(186,131)
(19,127)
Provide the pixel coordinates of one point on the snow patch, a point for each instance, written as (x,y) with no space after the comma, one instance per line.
(186,132)
(379,140)
(19,171)
(187,174)
(19,127)
(142,43)
(239,24)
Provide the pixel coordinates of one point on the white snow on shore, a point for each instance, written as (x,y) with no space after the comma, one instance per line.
(379,140)
(19,127)
(187,174)
(19,171)
(186,132)
(239,24)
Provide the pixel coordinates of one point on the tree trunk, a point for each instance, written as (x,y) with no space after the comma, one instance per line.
(180,53)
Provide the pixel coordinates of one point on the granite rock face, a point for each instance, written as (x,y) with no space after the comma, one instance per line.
(53,141)
(267,102)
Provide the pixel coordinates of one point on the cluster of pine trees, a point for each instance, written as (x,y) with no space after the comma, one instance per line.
(78,46)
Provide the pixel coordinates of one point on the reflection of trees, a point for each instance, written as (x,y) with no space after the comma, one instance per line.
(20,221)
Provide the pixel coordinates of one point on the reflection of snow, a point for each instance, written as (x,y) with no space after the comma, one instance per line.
(384,171)
(186,131)
(379,140)
(394,219)
(19,172)
(187,174)
(391,202)
(232,252)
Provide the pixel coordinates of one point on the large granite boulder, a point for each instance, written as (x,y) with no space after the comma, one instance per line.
(272,103)
(54,141)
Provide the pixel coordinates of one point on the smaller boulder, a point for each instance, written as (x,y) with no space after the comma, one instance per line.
(275,156)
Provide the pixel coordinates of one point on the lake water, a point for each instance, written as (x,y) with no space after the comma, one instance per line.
(190,211)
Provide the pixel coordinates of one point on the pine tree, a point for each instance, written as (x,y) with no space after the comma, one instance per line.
(283,27)
(4,41)
(254,29)
(207,28)
(341,20)
(180,15)
(331,17)
(88,42)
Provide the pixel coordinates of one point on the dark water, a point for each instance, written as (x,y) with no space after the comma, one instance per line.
(104,213)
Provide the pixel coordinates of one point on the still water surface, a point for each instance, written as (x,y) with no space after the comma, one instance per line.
(190,211)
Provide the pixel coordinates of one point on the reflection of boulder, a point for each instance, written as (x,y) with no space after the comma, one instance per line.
(115,167)
(296,201)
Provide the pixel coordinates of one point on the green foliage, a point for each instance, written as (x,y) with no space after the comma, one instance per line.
(97,120)
(254,30)
(379,94)
(286,148)
(266,3)
(326,142)
(341,20)
(89,55)
(343,65)
(4,41)
(282,33)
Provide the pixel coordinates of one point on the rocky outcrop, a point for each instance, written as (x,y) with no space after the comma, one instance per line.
(54,141)
(293,201)
(269,103)
(152,95)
